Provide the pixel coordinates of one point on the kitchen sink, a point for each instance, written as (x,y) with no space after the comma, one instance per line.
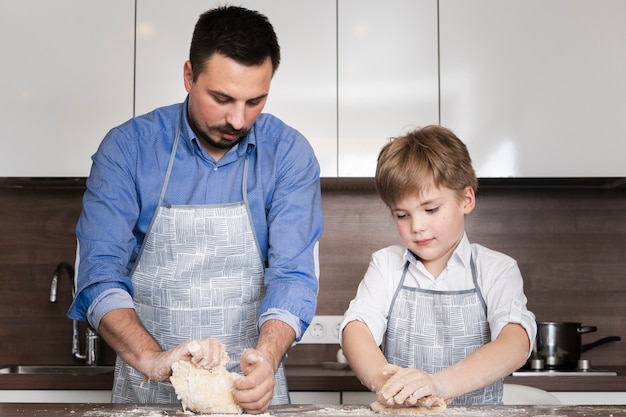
(54,370)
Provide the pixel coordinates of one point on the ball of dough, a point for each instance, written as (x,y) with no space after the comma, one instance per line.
(204,390)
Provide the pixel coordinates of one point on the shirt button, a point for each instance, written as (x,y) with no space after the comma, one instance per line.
(215,168)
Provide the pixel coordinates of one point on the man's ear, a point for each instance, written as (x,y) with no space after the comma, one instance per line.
(469,200)
(187,75)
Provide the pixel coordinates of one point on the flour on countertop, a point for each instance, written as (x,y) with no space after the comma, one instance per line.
(151,411)
(342,410)
(155,411)
(360,410)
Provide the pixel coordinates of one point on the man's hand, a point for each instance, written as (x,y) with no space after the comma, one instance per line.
(204,353)
(254,392)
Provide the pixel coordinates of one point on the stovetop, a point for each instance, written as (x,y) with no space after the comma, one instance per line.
(564,372)
(537,367)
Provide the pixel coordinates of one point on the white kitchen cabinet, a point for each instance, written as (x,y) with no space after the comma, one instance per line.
(566,398)
(332,397)
(303,91)
(388,76)
(536,88)
(358,397)
(315,397)
(66,78)
(352,74)
(367,397)
(591,398)
(55,396)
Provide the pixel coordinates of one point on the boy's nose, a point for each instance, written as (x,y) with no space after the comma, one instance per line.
(418,225)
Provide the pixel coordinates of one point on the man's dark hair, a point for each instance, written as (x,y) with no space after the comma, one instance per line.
(243,35)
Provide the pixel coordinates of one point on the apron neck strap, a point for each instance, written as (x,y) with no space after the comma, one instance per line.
(170,163)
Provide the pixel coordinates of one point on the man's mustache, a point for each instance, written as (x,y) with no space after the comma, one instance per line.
(229,130)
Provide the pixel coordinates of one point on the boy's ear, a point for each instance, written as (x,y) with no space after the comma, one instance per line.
(469,200)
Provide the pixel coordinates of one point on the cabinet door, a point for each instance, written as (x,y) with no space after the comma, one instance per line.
(358,397)
(303,92)
(536,88)
(388,76)
(55,396)
(66,78)
(591,397)
(315,397)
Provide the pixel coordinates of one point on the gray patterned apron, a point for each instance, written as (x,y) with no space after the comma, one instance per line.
(199,274)
(432,330)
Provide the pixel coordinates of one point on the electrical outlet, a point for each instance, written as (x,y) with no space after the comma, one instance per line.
(323,330)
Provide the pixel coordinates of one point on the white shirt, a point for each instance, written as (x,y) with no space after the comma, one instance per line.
(498,276)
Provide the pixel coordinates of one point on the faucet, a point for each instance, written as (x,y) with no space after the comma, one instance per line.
(91,355)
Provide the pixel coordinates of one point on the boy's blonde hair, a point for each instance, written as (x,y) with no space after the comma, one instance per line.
(426,157)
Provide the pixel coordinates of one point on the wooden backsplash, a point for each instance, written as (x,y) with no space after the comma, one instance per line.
(570,244)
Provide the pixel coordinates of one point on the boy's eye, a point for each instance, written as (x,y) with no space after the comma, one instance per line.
(401,216)
(432,210)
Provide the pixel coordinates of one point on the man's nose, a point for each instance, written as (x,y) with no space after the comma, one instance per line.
(236,116)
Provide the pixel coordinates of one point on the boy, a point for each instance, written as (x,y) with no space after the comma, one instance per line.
(451,316)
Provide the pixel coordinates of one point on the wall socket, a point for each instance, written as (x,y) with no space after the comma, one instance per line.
(323,330)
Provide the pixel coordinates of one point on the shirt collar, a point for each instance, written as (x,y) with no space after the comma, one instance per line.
(461,254)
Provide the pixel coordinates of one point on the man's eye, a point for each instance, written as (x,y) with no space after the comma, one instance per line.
(220,100)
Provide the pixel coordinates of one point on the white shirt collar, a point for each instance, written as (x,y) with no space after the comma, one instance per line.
(462,254)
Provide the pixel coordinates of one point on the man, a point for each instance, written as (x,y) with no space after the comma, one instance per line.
(201,221)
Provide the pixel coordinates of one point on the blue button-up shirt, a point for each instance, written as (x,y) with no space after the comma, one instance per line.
(123,191)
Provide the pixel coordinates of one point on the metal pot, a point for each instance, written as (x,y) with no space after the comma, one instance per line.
(559,345)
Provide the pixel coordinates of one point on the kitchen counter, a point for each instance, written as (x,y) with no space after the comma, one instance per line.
(317,378)
(134,410)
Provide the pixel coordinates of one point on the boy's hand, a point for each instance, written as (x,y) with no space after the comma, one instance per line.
(408,387)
